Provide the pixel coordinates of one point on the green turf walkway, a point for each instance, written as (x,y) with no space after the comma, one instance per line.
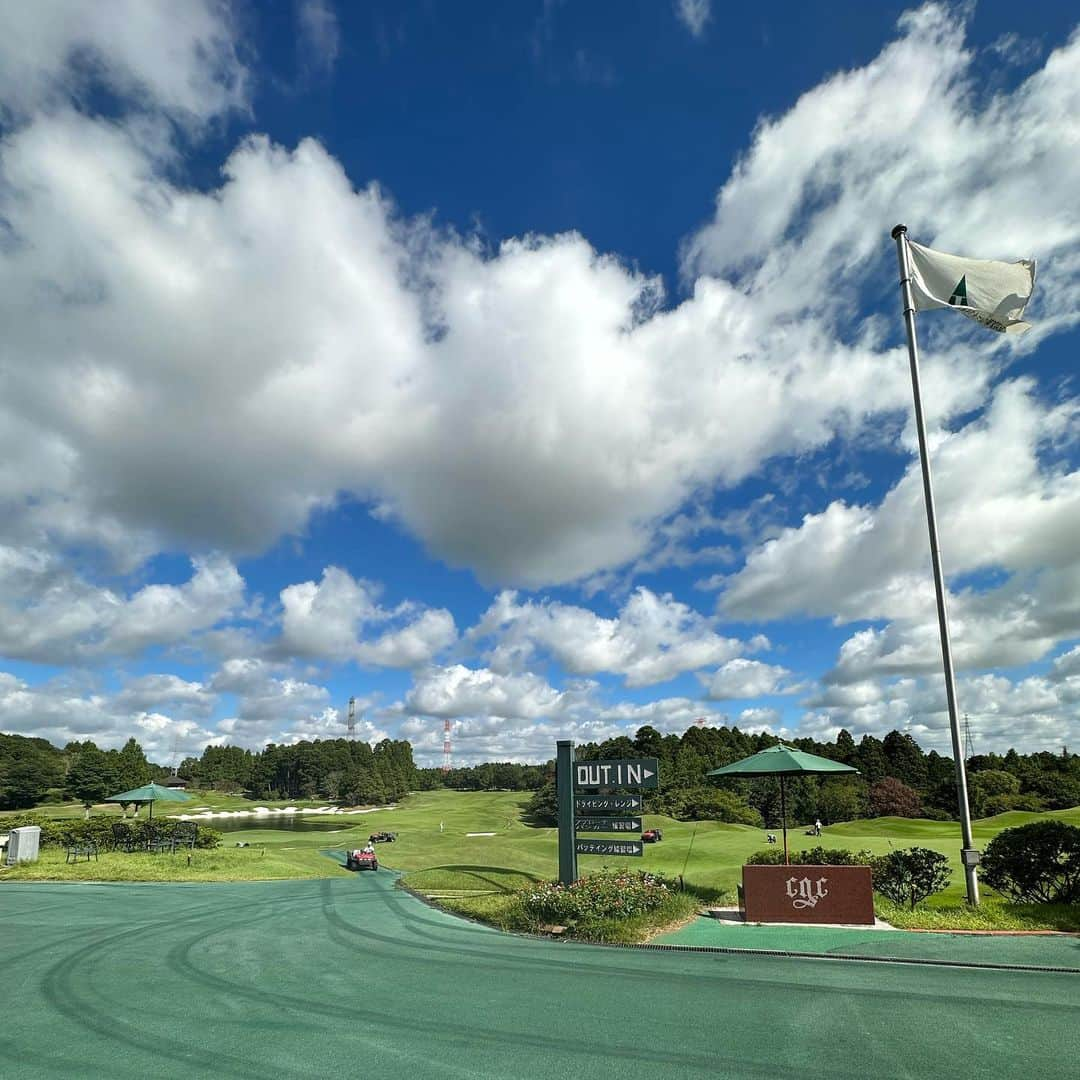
(1058,951)
(351,977)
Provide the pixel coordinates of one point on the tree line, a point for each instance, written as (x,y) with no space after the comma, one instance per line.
(33,771)
(896,777)
(344,770)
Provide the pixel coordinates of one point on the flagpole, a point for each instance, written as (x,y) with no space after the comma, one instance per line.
(968,855)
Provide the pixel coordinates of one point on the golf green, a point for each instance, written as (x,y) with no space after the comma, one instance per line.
(350,976)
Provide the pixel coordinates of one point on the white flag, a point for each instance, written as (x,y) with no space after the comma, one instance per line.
(990,292)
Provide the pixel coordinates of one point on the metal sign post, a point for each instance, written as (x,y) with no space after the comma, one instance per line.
(564,783)
(598,810)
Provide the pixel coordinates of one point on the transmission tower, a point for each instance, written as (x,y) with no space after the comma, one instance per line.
(446,745)
(352,718)
(969,743)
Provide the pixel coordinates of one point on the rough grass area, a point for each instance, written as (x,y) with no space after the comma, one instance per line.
(992,914)
(221,864)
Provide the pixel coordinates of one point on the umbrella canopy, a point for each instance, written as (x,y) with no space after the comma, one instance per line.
(149,793)
(781,760)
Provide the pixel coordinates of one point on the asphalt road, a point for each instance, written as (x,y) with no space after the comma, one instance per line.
(351,977)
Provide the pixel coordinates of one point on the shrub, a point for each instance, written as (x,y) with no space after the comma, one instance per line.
(910,875)
(591,899)
(815,856)
(208,838)
(57,831)
(714,804)
(1036,863)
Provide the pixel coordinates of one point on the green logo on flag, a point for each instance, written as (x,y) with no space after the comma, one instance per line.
(959,296)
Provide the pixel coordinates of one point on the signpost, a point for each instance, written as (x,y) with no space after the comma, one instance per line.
(598,810)
(564,783)
(609,847)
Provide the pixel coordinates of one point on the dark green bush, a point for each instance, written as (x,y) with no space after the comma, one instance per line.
(55,832)
(1036,863)
(815,856)
(208,838)
(910,875)
(68,830)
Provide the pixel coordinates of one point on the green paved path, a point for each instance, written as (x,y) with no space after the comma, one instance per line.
(350,977)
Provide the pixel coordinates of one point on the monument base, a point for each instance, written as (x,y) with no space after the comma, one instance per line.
(807,894)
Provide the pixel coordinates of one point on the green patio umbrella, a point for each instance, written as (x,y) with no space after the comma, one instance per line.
(149,793)
(781,761)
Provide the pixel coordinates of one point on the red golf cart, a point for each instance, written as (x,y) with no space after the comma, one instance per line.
(361,860)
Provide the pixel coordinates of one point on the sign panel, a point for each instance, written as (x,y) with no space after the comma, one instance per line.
(608,804)
(808,894)
(608,824)
(609,847)
(617,773)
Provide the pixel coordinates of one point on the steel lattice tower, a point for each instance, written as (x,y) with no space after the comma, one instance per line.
(446,746)
(352,718)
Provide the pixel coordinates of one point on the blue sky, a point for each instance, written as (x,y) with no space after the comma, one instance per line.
(539,368)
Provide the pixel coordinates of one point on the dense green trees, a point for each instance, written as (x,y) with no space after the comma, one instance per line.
(895,776)
(491,776)
(28,769)
(93,775)
(349,771)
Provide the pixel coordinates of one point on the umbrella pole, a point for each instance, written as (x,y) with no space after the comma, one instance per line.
(783,819)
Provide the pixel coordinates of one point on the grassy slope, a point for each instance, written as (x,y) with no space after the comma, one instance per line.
(711,865)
